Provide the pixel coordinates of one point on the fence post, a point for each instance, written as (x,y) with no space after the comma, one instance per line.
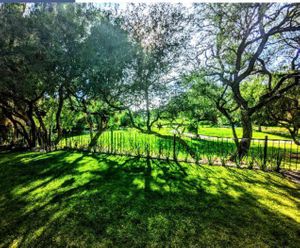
(265,152)
(112,140)
(174,147)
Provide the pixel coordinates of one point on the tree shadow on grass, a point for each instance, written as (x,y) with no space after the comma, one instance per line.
(76,199)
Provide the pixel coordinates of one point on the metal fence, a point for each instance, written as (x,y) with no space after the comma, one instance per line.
(266,154)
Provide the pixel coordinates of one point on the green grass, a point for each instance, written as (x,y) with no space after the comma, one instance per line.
(63,199)
(132,142)
(272,133)
(277,133)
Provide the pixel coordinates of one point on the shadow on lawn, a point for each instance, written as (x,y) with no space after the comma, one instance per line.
(74,199)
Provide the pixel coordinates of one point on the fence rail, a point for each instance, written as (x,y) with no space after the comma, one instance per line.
(264,154)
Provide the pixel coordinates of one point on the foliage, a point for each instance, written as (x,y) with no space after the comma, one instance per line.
(286,112)
(239,42)
(71,67)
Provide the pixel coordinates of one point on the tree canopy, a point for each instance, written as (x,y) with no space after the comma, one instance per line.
(68,67)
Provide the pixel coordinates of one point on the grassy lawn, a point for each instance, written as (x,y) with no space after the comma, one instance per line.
(273,133)
(64,199)
(133,142)
(277,133)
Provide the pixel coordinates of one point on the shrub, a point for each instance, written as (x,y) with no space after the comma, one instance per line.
(125,121)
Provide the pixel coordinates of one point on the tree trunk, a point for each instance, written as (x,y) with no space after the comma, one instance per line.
(58,114)
(232,124)
(32,127)
(235,137)
(44,133)
(23,131)
(259,128)
(245,142)
(95,138)
(101,127)
(294,136)
(90,123)
(148,112)
(49,136)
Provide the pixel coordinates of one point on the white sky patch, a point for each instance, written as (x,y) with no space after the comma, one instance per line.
(186,2)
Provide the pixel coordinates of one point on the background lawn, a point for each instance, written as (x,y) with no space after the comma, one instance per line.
(132,142)
(272,132)
(63,199)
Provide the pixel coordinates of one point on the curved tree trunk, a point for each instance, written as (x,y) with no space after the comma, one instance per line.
(95,138)
(23,131)
(101,127)
(294,136)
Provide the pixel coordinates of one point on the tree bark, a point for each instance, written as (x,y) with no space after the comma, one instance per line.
(148,112)
(235,137)
(101,127)
(232,124)
(294,137)
(95,138)
(58,114)
(23,132)
(44,133)
(32,126)
(245,142)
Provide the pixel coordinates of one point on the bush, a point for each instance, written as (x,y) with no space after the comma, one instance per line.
(79,127)
(192,127)
(125,120)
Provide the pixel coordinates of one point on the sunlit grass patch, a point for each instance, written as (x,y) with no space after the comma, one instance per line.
(80,199)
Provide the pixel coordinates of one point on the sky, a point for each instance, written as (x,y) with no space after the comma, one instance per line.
(186,2)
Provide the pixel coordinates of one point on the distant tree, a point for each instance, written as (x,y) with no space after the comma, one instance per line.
(220,99)
(286,112)
(105,57)
(191,106)
(159,30)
